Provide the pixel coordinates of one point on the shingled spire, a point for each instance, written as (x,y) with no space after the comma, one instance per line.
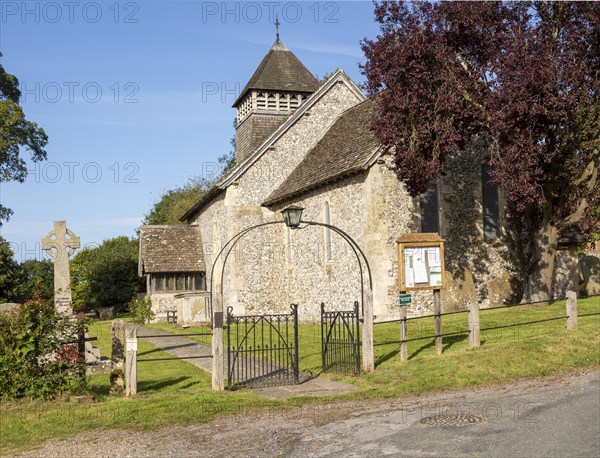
(280,84)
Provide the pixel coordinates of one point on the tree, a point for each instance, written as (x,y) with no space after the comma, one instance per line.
(526,74)
(9,273)
(106,276)
(16,133)
(227,160)
(175,202)
(36,281)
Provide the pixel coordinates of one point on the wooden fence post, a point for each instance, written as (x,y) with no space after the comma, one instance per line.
(131,360)
(367,333)
(117,356)
(474,334)
(572,288)
(218,360)
(403,332)
(437,305)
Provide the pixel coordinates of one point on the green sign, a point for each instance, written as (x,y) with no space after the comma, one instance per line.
(405,298)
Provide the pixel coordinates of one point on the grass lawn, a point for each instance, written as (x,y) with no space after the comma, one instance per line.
(178,392)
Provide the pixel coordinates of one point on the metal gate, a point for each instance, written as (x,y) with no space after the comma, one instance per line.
(262,350)
(340,341)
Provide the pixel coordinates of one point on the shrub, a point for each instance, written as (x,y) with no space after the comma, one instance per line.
(38,356)
(142,309)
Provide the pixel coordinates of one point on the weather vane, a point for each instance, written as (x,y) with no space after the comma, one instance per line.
(277,27)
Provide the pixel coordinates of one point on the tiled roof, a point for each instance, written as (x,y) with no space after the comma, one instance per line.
(345,148)
(176,248)
(280,70)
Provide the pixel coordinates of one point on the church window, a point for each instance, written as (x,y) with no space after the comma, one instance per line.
(490,203)
(328,248)
(430,217)
(158,282)
(171,282)
(179,282)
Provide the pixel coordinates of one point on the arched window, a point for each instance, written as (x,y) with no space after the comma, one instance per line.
(490,203)
(328,248)
(430,217)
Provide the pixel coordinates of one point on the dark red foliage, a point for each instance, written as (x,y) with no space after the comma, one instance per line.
(528,73)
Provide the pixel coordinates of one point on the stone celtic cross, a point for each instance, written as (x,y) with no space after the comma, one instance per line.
(60,243)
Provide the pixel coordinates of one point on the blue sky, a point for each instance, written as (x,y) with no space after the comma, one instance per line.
(136,97)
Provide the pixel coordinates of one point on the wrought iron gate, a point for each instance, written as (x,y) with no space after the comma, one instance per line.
(340,341)
(262,350)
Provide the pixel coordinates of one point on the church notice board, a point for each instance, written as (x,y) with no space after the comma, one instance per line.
(421,262)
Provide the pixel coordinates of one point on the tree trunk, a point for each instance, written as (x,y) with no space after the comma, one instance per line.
(539,283)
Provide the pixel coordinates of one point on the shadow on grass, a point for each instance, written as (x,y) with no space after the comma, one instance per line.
(448,342)
(154,386)
(384,358)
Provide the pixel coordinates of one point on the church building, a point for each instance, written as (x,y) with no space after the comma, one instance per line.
(307,143)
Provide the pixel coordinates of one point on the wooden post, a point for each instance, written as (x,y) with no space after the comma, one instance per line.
(218,360)
(117,356)
(367,333)
(573,287)
(403,332)
(474,334)
(437,305)
(131,360)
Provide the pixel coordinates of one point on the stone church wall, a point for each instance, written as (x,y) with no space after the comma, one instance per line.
(252,280)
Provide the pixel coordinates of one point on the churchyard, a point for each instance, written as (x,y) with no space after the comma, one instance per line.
(176,392)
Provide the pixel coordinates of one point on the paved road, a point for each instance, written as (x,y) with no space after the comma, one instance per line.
(556,416)
(527,420)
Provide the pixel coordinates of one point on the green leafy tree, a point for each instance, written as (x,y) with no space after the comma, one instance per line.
(175,202)
(227,161)
(107,275)
(9,273)
(36,281)
(16,133)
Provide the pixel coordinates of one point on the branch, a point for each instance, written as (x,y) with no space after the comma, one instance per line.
(577,214)
(589,170)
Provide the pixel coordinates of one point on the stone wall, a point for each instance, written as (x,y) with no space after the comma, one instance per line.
(252,281)
(161,304)
(479,268)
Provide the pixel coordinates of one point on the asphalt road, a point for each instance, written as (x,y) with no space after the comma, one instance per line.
(548,419)
(557,416)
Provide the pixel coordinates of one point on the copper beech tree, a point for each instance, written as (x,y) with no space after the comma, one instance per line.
(526,75)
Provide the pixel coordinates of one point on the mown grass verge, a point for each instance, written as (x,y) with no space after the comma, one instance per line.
(177,392)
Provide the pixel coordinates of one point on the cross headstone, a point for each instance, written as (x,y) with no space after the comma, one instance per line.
(60,243)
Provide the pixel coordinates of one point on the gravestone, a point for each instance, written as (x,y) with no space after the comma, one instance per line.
(60,243)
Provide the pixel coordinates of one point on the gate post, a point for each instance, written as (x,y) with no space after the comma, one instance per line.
(403,333)
(573,286)
(131,360)
(474,334)
(367,334)
(218,383)
(296,355)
